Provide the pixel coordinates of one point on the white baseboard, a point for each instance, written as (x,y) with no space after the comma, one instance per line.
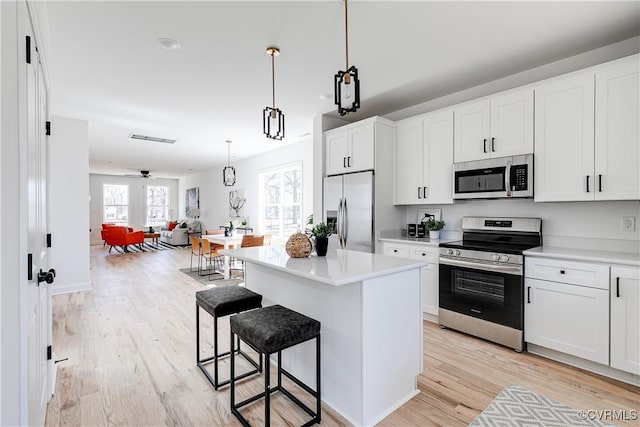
(429,317)
(73,287)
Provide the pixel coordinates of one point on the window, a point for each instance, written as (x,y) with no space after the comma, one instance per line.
(157,205)
(115,202)
(281,200)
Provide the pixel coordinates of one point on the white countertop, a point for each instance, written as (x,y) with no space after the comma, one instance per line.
(397,237)
(339,267)
(609,257)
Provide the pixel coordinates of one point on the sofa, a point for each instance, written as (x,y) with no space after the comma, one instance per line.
(176,233)
(123,237)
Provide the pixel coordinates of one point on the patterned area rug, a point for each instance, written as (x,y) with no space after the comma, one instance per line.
(145,247)
(518,406)
(216,279)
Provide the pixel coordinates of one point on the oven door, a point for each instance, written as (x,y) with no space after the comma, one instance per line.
(485,290)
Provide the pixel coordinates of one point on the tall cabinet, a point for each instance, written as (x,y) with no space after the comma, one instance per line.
(586,127)
(423,159)
(625,319)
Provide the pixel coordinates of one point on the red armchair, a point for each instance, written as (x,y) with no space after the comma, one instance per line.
(117,235)
(103,232)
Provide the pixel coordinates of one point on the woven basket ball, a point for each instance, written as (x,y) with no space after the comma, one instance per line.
(298,245)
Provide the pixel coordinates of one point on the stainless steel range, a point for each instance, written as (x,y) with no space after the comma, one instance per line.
(482,280)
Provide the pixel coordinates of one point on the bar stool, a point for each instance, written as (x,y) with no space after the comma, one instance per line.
(271,330)
(220,302)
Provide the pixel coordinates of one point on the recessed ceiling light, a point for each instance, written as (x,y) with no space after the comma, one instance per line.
(169,44)
(326,96)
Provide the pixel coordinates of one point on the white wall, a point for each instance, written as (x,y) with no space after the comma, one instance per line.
(214,196)
(69,204)
(137,200)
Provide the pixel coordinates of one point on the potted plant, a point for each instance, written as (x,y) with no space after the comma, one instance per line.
(434,227)
(321,232)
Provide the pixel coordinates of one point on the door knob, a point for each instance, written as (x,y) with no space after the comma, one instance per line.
(48,276)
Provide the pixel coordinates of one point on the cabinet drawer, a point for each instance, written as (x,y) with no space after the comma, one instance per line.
(428,254)
(576,273)
(400,251)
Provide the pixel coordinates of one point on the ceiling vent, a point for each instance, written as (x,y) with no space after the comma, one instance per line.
(151,138)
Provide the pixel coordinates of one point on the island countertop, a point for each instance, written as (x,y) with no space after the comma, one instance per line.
(338,268)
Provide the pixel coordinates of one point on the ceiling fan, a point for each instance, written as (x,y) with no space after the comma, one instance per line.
(143,174)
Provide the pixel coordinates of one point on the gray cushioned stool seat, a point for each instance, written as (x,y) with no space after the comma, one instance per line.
(227,300)
(274,328)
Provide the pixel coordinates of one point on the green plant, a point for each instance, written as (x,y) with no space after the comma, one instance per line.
(309,220)
(322,230)
(434,225)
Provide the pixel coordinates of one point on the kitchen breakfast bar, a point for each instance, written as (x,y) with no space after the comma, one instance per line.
(369,309)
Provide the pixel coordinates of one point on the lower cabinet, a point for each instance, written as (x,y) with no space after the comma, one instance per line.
(568,318)
(430,273)
(625,319)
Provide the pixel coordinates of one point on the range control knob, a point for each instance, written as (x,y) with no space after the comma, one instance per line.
(457,252)
(449,251)
(495,257)
(504,258)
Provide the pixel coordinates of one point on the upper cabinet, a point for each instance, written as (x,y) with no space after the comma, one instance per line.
(586,127)
(495,127)
(423,159)
(350,148)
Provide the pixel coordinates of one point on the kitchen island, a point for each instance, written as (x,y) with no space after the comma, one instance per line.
(369,308)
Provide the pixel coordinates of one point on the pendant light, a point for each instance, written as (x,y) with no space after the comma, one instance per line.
(272,117)
(229,172)
(346,83)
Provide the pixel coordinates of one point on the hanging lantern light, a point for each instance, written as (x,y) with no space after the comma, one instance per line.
(346,83)
(229,172)
(272,117)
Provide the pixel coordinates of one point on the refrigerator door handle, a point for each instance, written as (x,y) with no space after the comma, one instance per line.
(339,223)
(345,219)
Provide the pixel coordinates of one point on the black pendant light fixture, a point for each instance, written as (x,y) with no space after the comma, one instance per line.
(229,172)
(272,117)
(346,83)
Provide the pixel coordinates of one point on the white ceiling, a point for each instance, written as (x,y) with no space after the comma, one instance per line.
(107,67)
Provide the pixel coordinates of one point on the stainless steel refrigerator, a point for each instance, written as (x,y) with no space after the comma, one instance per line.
(348,207)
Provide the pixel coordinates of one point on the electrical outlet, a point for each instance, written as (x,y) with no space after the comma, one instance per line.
(628,223)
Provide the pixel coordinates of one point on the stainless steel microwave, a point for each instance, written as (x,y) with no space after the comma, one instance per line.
(504,177)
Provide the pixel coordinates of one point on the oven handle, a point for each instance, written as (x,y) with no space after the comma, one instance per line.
(515,270)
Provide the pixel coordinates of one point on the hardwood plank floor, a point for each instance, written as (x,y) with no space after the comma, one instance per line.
(130,344)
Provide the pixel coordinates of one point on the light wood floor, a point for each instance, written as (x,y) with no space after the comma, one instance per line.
(131,350)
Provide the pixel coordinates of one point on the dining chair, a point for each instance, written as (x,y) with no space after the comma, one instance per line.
(196,250)
(211,256)
(250,240)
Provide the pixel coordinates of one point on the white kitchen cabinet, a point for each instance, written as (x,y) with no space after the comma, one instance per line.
(430,273)
(586,127)
(566,307)
(625,319)
(617,133)
(350,148)
(424,157)
(495,127)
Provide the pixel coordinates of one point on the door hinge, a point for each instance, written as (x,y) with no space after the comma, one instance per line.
(29,266)
(49,351)
(48,128)
(48,240)
(28,50)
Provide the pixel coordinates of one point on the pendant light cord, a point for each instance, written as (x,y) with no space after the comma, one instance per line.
(346,33)
(273,79)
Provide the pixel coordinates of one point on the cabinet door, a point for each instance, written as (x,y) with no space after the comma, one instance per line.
(567,318)
(430,289)
(617,132)
(409,163)
(472,132)
(336,146)
(512,124)
(360,155)
(625,319)
(438,158)
(564,139)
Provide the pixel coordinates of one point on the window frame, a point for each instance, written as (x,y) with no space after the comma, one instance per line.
(105,205)
(281,169)
(148,221)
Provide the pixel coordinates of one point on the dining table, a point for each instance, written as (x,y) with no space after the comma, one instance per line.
(228,242)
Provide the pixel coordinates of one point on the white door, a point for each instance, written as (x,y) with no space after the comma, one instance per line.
(409,163)
(360,156)
(38,316)
(564,139)
(438,158)
(512,124)
(625,319)
(336,152)
(472,132)
(617,151)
